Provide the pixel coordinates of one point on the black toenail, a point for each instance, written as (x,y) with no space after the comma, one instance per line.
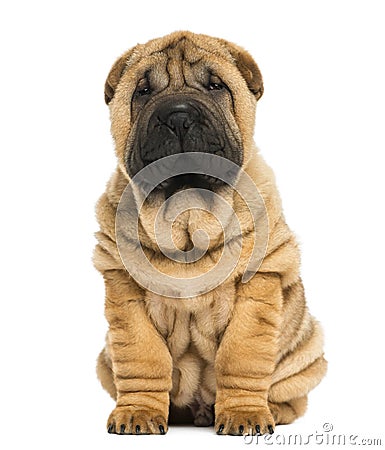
(111,428)
(258,429)
(271,429)
(137,429)
(161,429)
(221,428)
(122,428)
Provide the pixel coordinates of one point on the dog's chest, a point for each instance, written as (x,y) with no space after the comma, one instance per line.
(192,329)
(197,322)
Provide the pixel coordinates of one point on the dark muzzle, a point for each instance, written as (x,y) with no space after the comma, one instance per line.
(178,127)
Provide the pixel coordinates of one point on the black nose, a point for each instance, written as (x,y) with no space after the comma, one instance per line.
(178,116)
(173,127)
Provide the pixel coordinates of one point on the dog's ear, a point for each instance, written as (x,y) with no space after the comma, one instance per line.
(248,68)
(114,76)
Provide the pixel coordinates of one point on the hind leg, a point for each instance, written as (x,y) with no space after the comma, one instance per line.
(288,396)
(104,372)
(287,412)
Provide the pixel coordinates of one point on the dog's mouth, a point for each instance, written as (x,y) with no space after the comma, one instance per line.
(189,181)
(186,171)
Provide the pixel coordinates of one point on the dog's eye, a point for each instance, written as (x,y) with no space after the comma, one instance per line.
(215,86)
(215,83)
(143,88)
(144,91)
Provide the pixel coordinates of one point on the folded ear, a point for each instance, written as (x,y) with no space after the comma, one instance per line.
(248,68)
(116,72)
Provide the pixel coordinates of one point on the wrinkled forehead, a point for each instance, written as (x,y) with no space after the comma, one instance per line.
(181,61)
(187,48)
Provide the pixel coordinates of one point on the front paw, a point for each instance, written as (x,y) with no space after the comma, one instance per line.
(237,422)
(132,420)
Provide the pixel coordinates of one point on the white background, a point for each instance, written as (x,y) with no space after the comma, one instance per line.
(320,125)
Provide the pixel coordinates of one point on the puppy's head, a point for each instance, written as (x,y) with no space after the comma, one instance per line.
(184,94)
(179,94)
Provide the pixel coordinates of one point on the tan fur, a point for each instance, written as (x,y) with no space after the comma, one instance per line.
(251,349)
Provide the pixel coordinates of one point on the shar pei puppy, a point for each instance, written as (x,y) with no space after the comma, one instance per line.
(206,310)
